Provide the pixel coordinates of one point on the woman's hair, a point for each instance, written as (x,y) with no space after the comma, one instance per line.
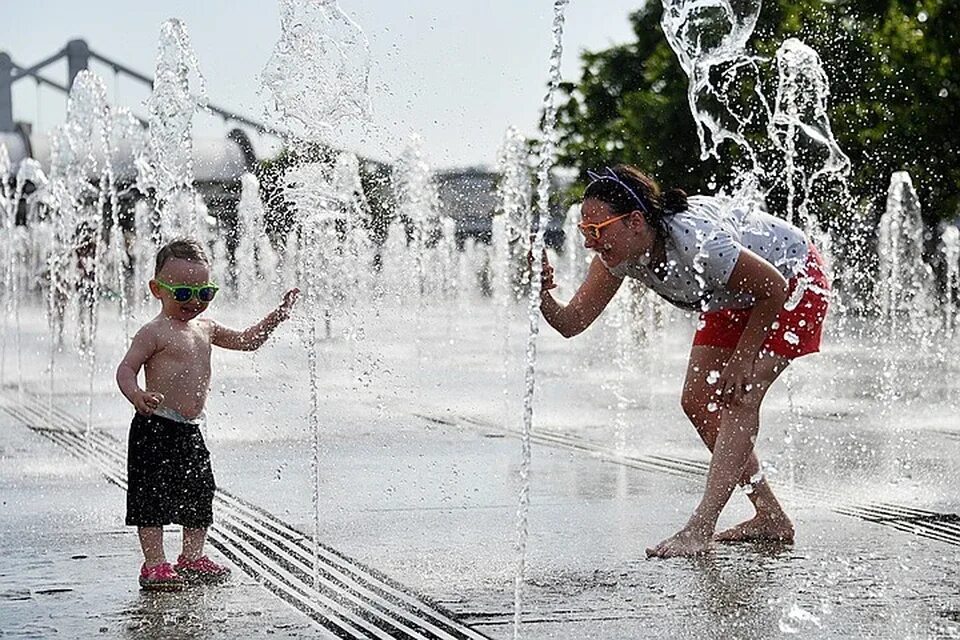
(625,188)
(183,248)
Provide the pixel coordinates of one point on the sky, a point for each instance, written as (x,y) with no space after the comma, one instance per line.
(456,72)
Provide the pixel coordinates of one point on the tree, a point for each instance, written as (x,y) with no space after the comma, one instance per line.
(893,74)
(630,106)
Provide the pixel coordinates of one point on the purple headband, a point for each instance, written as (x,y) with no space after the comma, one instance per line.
(612,176)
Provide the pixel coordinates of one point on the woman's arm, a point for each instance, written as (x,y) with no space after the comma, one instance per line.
(754,276)
(588,302)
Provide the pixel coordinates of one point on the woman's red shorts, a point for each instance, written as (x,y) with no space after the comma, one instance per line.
(798,328)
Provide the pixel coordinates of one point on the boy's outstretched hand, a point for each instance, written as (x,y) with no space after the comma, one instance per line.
(289,299)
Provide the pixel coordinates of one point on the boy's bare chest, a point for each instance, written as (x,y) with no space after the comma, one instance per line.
(189,349)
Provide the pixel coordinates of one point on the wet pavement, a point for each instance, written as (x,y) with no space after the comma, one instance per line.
(418,469)
(70,566)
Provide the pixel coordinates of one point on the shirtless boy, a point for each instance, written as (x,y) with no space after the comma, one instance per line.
(168,465)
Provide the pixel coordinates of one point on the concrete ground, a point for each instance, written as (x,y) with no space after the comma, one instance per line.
(418,466)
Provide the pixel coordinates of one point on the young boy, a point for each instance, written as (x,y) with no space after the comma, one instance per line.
(168,465)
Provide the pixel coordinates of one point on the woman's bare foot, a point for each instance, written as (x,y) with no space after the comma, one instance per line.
(759,529)
(686,542)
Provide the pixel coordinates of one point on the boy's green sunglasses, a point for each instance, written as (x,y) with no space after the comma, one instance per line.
(183,292)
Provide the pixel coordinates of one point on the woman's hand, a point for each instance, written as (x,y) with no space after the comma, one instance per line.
(546,271)
(736,381)
(546,274)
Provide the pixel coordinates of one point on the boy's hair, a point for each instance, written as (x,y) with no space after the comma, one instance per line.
(183,248)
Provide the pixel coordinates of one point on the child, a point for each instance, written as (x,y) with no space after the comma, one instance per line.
(168,465)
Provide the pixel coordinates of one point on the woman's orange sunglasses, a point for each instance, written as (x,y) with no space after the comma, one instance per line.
(593,230)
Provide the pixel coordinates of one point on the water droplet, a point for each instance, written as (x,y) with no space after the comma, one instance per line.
(796,619)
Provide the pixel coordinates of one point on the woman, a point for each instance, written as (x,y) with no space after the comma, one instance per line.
(762,293)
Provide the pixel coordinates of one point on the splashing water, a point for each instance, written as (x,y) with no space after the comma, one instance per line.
(418,204)
(709,38)
(801,126)
(796,619)
(354,248)
(512,220)
(317,79)
(906,297)
(303,187)
(255,257)
(81,178)
(7,201)
(144,244)
(17,243)
(576,256)
(324,195)
(167,169)
(620,317)
(128,143)
(319,72)
(905,283)
(7,223)
(951,255)
(514,197)
(543,212)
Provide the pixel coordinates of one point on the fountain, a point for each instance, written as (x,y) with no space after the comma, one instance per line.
(905,283)
(951,255)
(81,151)
(709,38)
(317,78)
(547,148)
(8,209)
(26,249)
(357,315)
(167,168)
(418,209)
(800,127)
(515,196)
(255,259)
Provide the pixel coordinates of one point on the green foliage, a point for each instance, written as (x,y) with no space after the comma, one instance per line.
(279,213)
(630,106)
(895,99)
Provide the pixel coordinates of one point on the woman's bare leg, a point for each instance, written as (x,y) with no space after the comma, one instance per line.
(732,449)
(770,522)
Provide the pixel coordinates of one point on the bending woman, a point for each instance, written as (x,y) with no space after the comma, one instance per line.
(762,293)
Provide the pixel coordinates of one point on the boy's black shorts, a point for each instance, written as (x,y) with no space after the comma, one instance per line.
(168,474)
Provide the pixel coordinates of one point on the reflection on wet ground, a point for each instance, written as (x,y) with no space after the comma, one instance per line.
(418,492)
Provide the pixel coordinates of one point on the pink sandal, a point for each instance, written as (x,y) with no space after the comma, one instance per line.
(203,569)
(160,577)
